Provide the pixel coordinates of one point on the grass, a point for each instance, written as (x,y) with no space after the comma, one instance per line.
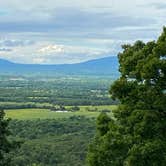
(25,114)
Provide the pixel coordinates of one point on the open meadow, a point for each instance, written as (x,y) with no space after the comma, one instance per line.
(87,111)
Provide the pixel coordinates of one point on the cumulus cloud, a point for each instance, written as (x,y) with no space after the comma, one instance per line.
(54,53)
(52,49)
(70,50)
(73,31)
(51,53)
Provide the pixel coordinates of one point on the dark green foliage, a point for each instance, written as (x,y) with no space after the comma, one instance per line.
(99,150)
(5,145)
(103,123)
(52,142)
(138,135)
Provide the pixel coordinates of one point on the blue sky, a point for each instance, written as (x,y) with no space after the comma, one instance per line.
(63,31)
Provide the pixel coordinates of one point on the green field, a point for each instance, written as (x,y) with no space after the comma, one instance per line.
(25,114)
(36,92)
(50,137)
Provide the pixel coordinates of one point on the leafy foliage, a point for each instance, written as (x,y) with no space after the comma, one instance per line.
(50,142)
(5,145)
(137,136)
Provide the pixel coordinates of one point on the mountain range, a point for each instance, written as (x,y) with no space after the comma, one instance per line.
(107,66)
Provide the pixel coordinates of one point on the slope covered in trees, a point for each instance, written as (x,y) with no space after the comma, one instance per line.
(137,136)
(50,142)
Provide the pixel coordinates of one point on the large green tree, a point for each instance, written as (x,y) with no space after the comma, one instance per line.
(138,135)
(5,145)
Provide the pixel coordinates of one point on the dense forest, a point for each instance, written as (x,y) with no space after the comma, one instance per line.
(137,135)
(51,142)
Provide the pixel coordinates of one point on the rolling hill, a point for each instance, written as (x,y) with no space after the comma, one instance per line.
(104,66)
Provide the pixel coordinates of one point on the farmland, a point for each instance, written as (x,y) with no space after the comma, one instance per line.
(31,92)
(53,117)
(87,111)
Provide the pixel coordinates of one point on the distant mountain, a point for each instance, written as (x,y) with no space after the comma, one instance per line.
(105,66)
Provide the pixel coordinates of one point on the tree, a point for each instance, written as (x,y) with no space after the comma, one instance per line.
(137,136)
(5,144)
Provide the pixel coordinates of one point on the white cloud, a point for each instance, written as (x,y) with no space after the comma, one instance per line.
(70,50)
(52,49)
(51,53)
(65,31)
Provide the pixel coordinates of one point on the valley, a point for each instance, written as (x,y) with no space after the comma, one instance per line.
(53,116)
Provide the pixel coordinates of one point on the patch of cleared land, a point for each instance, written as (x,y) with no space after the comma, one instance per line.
(88,111)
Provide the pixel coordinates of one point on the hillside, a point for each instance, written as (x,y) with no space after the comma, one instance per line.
(103,66)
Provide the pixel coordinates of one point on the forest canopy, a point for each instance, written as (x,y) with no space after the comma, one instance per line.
(137,135)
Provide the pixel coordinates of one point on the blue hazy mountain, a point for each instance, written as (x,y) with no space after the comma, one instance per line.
(103,66)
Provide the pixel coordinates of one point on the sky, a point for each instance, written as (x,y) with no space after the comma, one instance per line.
(63,31)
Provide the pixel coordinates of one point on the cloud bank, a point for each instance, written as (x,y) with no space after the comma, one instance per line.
(77,30)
